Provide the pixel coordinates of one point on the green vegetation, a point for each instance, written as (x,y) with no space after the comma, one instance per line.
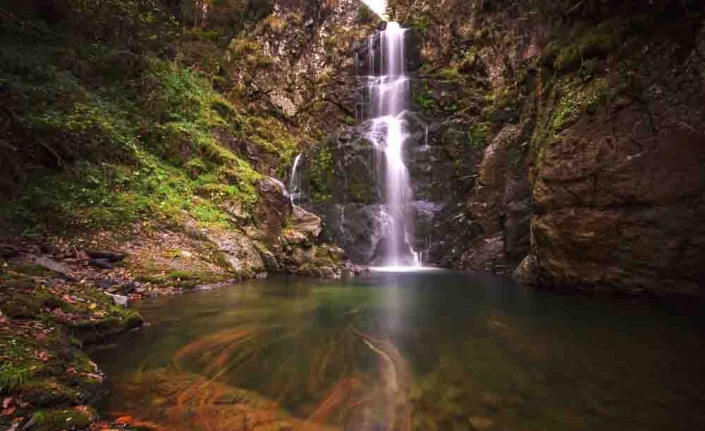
(365,14)
(592,42)
(477,135)
(576,99)
(321,171)
(420,24)
(105,134)
(426,100)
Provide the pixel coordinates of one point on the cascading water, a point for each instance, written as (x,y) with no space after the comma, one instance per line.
(295,182)
(388,94)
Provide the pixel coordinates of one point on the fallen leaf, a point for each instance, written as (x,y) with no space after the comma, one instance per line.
(43,356)
(94,376)
(8,412)
(6,402)
(124,420)
(92,306)
(68,299)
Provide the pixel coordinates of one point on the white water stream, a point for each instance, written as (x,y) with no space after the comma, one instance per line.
(388,94)
(295,182)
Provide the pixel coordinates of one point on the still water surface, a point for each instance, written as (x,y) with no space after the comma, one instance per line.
(423,351)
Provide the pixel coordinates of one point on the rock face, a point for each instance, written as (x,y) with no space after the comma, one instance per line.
(239,251)
(500,205)
(356,227)
(620,193)
(273,209)
(444,152)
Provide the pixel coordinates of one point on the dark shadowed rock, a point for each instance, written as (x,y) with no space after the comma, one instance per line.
(620,191)
(106,255)
(100,263)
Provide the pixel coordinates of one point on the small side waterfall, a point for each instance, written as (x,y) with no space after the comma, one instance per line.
(388,94)
(295,182)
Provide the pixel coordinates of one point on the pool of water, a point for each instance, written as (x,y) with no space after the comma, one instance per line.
(424,351)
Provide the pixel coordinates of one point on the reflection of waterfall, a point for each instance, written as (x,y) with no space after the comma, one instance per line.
(295,182)
(388,93)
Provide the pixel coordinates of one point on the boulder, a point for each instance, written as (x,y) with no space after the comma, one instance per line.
(273,209)
(526,272)
(55,266)
(239,251)
(305,223)
(110,256)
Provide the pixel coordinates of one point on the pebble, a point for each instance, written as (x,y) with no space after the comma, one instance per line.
(481,423)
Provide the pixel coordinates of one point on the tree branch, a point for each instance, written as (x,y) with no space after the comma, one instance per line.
(46,146)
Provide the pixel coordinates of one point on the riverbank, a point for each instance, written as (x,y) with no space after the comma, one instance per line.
(46,319)
(60,295)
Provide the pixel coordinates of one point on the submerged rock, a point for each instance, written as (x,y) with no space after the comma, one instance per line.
(481,423)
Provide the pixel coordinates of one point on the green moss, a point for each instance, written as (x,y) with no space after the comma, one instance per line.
(31,270)
(48,393)
(589,43)
(322,172)
(426,101)
(450,74)
(420,24)
(477,135)
(12,376)
(58,419)
(576,99)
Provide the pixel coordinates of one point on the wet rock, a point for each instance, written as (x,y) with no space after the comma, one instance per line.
(105,283)
(335,252)
(357,228)
(352,270)
(8,251)
(270,261)
(527,271)
(109,256)
(100,263)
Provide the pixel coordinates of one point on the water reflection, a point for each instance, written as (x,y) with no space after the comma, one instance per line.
(413,351)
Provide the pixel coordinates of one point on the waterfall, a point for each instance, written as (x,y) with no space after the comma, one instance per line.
(295,182)
(388,94)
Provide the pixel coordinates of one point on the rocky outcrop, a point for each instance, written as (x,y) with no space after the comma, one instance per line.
(500,204)
(357,228)
(620,193)
(273,209)
(305,223)
(239,251)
